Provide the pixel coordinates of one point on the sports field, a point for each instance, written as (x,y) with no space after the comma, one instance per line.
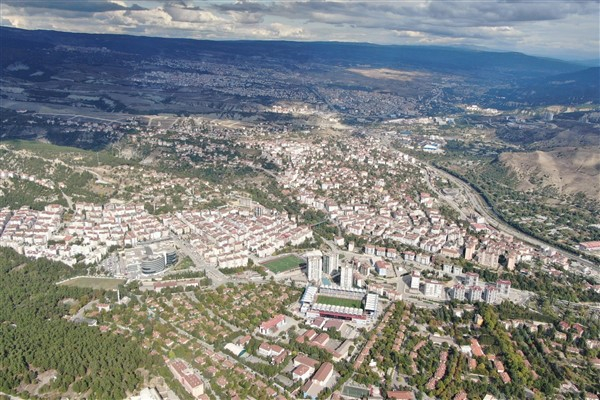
(336,301)
(355,391)
(283,264)
(95,283)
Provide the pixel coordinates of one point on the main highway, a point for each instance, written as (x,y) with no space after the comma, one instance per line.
(217,277)
(479,205)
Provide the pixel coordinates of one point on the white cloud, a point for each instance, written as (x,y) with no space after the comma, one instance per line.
(548,27)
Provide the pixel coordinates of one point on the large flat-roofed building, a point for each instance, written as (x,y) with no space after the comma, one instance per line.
(149,259)
(371,304)
(432,288)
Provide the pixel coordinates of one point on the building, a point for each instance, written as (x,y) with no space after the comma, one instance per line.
(415,280)
(323,374)
(363,269)
(458,292)
(148,394)
(312,308)
(346,276)
(432,288)
(188,377)
(302,359)
(371,304)
(590,246)
(474,294)
(382,268)
(503,287)
(423,259)
(391,253)
(452,269)
(314,266)
(511,261)
(273,325)
(490,295)
(330,262)
(470,249)
(447,268)
(471,279)
(302,373)
(476,348)
(400,395)
(488,258)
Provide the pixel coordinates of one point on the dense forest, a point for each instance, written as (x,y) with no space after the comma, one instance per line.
(34,338)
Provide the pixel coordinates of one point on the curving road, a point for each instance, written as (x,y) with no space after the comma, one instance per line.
(481,207)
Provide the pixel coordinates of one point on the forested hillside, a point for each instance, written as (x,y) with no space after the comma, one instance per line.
(34,338)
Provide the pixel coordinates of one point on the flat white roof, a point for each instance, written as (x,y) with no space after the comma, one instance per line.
(337,309)
(343,289)
(309,294)
(371,302)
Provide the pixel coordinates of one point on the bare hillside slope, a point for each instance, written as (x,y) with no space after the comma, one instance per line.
(569,169)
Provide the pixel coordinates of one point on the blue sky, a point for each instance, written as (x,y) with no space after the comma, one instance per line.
(562,29)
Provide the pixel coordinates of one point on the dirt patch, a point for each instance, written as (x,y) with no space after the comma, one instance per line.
(391,74)
(569,169)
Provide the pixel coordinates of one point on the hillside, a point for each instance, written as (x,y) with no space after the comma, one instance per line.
(569,169)
(570,88)
(83,74)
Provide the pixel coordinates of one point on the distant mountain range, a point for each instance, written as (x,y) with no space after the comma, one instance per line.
(568,88)
(38,61)
(498,65)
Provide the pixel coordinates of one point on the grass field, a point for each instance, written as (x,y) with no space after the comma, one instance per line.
(185,263)
(355,392)
(283,264)
(336,301)
(71,154)
(95,283)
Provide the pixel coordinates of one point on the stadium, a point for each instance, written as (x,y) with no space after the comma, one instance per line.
(329,301)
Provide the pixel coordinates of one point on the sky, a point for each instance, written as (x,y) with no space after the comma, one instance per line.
(561,29)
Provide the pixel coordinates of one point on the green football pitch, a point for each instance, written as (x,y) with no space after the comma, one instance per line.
(283,264)
(336,301)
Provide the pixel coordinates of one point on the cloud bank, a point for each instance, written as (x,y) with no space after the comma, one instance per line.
(566,29)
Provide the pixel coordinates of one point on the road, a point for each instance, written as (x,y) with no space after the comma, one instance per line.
(10,396)
(481,207)
(217,277)
(80,313)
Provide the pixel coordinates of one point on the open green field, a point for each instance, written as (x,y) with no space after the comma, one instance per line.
(95,283)
(185,263)
(355,391)
(336,301)
(71,154)
(283,264)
